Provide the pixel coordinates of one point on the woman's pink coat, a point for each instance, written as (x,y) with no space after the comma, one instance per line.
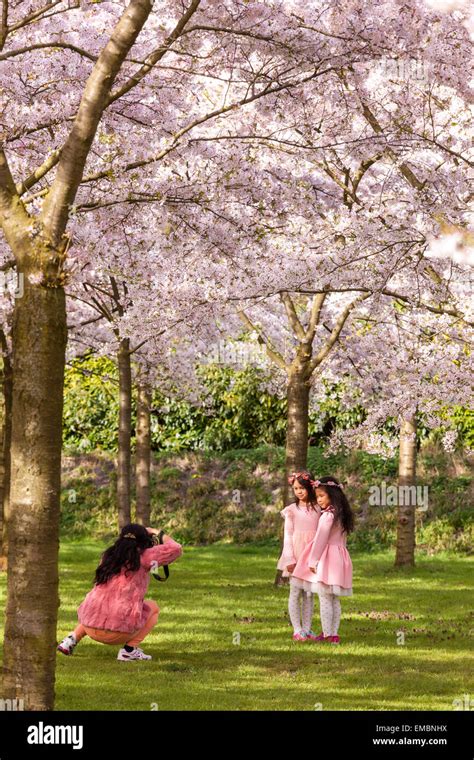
(119,605)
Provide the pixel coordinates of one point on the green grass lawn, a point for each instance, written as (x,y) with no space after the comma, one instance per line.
(223,639)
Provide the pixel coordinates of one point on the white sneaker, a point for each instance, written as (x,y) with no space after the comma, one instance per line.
(66,646)
(135,654)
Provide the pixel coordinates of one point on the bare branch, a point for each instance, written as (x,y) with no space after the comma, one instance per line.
(413,302)
(264,341)
(47,45)
(157,54)
(33,16)
(39,173)
(317,305)
(13,216)
(4,23)
(336,331)
(297,327)
(364,166)
(411,178)
(7,185)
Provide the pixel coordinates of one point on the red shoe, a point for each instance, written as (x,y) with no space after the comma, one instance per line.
(321,637)
(334,639)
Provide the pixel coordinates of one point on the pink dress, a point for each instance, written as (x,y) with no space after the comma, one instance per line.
(300,528)
(328,554)
(119,604)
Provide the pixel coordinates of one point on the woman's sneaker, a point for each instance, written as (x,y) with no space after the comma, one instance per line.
(135,654)
(300,636)
(334,639)
(66,646)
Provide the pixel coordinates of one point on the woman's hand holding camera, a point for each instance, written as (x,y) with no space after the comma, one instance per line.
(156,532)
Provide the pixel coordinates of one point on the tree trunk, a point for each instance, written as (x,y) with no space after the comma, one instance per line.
(143,455)
(124,435)
(296,452)
(32,517)
(5,460)
(2,492)
(405,550)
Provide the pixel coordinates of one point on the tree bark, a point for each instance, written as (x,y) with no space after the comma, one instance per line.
(405,549)
(32,517)
(5,461)
(2,483)
(143,455)
(296,451)
(124,434)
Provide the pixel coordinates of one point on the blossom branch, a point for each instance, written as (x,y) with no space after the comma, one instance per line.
(93,102)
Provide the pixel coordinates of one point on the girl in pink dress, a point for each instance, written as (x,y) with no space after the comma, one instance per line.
(115,611)
(325,566)
(301,522)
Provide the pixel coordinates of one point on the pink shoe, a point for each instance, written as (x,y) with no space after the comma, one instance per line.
(301,636)
(322,637)
(312,636)
(334,639)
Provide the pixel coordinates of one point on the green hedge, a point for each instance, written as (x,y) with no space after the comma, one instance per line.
(234,412)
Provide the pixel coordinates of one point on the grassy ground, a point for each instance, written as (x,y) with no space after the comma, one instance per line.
(220,593)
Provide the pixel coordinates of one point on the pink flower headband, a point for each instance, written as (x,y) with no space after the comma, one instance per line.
(314,483)
(304,475)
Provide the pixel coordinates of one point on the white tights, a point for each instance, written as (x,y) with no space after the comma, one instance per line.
(301,616)
(330,607)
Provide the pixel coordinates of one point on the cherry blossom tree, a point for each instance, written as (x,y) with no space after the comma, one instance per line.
(405,364)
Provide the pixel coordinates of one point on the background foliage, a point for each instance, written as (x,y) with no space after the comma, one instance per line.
(234,412)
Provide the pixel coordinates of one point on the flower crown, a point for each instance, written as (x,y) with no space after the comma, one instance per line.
(317,483)
(304,475)
(314,483)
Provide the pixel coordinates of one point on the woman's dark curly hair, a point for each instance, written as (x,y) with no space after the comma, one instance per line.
(342,509)
(125,552)
(306,483)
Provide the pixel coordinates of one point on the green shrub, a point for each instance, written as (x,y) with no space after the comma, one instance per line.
(446,534)
(233,413)
(193,498)
(90,417)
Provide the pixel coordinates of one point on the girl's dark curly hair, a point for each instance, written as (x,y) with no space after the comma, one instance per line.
(125,552)
(342,509)
(306,483)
